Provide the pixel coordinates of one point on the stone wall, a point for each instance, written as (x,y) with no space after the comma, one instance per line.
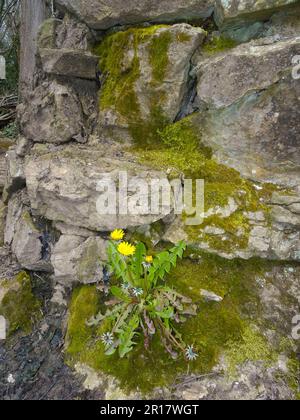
(201,89)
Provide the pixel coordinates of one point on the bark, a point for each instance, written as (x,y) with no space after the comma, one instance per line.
(33,13)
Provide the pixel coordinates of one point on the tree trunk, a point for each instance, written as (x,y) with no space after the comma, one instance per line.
(33,13)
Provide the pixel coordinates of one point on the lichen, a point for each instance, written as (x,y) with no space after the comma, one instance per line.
(217,328)
(19,306)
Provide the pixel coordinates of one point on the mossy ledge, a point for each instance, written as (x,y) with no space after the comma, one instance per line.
(181,151)
(19,306)
(223,328)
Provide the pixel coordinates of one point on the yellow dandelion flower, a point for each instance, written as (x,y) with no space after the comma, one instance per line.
(149,259)
(126,249)
(117,235)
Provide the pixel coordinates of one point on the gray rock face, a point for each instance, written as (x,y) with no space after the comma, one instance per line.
(62,62)
(253,100)
(249,68)
(24,237)
(53,115)
(230,13)
(64,186)
(102,15)
(78,260)
(15,178)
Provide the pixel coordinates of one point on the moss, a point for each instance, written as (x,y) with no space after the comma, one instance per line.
(158,56)
(217,328)
(181,151)
(84,305)
(19,306)
(218,44)
(253,347)
(120,66)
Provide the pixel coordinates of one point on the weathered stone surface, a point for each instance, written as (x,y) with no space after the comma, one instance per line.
(62,186)
(5,144)
(47,33)
(274,234)
(249,68)
(230,13)
(2,221)
(78,260)
(15,178)
(67,33)
(69,63)
(102,15)
(254,108)
(53,114)
(27,241)
(149,84)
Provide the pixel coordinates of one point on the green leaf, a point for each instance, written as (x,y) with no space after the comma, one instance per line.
(120,294)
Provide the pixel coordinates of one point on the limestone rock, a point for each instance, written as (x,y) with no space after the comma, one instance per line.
(27,241)
(146,83)
(254,108)
(61,62)
(28,245)
(102,15)
(253,67)
(2,222)
(62,186)
(78,260)
(15,178)
(235,13)
(67,33)
(53,114)
(5,144)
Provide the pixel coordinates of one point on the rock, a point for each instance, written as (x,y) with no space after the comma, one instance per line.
(22,147)
(47,33)
(28,246)
(102,15)
(210,296)
(62,187)
(25,238)
(2,222)
(78,260)
(260,103)
(67,33)
(14,211)
(259,67)
(2,171)
(145,84)
(61,62)
(229,13)
(5,144)
(15,178)
(52,115)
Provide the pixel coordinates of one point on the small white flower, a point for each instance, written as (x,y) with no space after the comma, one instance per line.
(107,339)
(190,354)
(137,291)
(10,379)
(125,286)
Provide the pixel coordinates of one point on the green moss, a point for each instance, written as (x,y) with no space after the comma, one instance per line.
(180,150)
(120,65)
(218,327)
(158,56)
(253,347)
(218,44)
(19,306)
